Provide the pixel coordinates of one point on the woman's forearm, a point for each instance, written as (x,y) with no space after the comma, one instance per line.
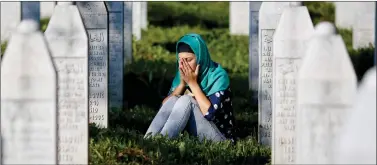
(177,91)
(201,98)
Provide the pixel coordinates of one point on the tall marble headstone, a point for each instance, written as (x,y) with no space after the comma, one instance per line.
(28,99)
(10,18)
(94,16)
(326,88)
(345,13)
(357,141)
(363,30)
(136,20)
(47,8)
(68,42)
(127,32)
(30,10)
(144,15)
(269,16)
(239,18)
(253,50)
(116,53)
(290,42)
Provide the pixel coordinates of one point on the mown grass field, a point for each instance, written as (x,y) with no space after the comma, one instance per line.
(148,79)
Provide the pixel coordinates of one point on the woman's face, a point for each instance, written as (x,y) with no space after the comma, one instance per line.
(189,57)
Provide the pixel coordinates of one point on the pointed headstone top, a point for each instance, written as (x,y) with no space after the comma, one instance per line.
(28,26)
(295,4)
(325,29)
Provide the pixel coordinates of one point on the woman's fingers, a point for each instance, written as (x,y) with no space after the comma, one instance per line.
(182,71)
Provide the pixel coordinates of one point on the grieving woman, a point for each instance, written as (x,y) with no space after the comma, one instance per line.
(206,108)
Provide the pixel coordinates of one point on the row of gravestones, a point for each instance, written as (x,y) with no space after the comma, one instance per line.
(54,84)
(13,12)
(358,16)
(307,87)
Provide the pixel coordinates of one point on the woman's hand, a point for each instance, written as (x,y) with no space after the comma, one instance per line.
(188,75)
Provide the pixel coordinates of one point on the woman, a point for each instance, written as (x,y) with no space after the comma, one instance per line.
(207,110)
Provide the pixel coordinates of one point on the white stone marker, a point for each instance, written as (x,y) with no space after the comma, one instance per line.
(10,18)
(127,32)
(116,48)
(136,20)
(269,16)
(326,87)
(47,8)
(239,18)
(363,30)
(345,13)
(144,15)
(253,50)
(68,42)
(358,138)
(290,42)
(28,99)
(94,15)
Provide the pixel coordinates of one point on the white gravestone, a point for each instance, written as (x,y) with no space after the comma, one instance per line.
(290,42)
(363,30)
(116,48)
(47,9)
(136,20)
(28,99)
(144,15)
(358,138)
(326,87)
(94,15)
(68,42)
(269,16)
(345,13)
(10,18)
(253,50)
(127,32)
(239,18)
(30,10)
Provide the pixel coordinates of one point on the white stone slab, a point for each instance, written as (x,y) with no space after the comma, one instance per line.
(144,15)
(363,30)
(269,16)
(345,13)
(94,15)
(239,18)
(127,32)
(68,42)
(28,99)
(136,20)
(290,42)
(253,50)
(47,8)
(30,10)
(10,18)
(357,141)
(326,87)
(116,48)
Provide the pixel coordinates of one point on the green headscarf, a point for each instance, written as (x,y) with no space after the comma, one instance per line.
(212,77)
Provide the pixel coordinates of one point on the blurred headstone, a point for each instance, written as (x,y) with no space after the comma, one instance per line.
(136,20)
(269,16)
(363,30)
(28,99)
(345,13)
(357,141)
(326,87)
(116,48)
(127,32)
(239,18)
(30,10)
(47,8)
(68,42)
(144,15)
(290,42)
(94,16)
(10,18)
(253,50)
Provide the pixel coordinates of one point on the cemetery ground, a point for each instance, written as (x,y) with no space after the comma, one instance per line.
(148,79)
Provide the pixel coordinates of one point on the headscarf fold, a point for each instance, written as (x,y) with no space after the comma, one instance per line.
(212,77)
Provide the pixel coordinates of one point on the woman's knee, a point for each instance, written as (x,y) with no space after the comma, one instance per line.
(183,103)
